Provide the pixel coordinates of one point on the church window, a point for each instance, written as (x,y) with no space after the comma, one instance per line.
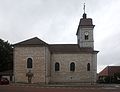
(86,36)
(57,66)
(29,63)
(88,67)
(72,66)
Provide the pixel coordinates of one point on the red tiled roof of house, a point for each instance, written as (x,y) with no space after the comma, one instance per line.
(110,71)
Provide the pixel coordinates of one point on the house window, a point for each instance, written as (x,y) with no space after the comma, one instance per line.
(72,66)
(86,36)
(88,67)
(29,63)
(57,66)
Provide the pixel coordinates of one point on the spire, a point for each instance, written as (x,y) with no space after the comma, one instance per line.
(84,8)
(84,14)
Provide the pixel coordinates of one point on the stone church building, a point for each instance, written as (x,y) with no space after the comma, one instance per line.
(58,63)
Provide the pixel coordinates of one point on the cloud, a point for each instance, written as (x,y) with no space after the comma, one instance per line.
(56,21)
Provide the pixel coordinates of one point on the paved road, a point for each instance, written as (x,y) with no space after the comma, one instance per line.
(57,89)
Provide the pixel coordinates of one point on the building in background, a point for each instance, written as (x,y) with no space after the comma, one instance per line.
(110,74)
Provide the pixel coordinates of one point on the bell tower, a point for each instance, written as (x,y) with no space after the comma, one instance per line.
(85,32)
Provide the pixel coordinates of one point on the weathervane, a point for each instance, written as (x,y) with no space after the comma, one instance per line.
(84,8)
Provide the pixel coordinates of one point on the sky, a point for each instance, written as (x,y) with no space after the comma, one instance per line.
(56,22)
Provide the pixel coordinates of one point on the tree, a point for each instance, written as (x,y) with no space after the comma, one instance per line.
(117,77)
(6,56)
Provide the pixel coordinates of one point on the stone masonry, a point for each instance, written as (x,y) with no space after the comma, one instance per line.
(39,58)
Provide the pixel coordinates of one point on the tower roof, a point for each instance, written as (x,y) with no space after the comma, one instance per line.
(85,22)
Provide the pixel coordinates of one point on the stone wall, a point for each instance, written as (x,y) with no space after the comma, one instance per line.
(21,54)
(44,66)
(81,36)
(80,74)
(94,67)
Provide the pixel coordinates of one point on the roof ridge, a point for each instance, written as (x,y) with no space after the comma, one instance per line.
(32,41)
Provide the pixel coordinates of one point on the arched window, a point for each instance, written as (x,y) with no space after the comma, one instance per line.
(72,66)
(29,63)
(86,36)
(88,67)
(57,66)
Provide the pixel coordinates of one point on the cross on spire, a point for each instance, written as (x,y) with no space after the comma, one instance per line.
(84,8)
(84,14)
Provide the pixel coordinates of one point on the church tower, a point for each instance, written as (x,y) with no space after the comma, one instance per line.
(85,32)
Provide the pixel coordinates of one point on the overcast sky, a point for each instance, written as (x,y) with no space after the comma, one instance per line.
(56,21)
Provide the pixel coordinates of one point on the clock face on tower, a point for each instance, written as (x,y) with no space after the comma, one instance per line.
(86,33)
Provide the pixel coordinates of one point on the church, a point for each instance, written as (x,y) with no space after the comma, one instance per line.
(58,63)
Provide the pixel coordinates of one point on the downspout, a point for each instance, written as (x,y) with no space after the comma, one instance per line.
(45,64)
(50,66)
(14,64)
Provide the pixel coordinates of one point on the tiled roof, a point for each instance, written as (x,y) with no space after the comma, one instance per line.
(56,48)
(32,41)
(85,23)
(110,70)
(69,48)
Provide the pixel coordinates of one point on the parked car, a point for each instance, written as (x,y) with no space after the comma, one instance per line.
(4,81)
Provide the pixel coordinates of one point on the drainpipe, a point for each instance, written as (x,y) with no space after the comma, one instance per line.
(14,64)
(45,64)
